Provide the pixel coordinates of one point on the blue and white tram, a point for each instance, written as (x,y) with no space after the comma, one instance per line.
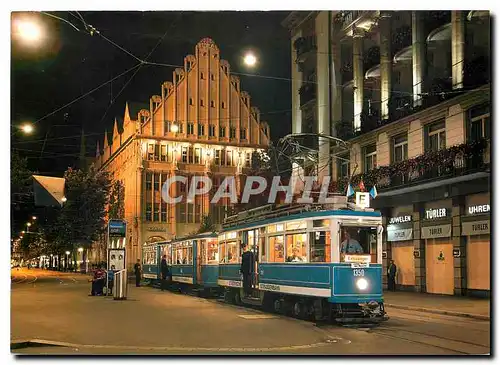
(194,261)
(150,261)
(326,263)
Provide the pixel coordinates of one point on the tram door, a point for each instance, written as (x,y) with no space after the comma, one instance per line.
(253,243)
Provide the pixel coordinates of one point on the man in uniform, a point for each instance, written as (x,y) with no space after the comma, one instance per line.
(247,268)
(137,272)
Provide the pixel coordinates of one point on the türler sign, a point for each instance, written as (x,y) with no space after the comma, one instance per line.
(478,209)
(440,231)
(400,219)
(476,227)
(436,213)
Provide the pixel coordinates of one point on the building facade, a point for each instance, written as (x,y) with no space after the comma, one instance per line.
(201,123)
(410,92)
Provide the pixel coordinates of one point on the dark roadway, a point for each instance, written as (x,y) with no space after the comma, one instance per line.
(55,307)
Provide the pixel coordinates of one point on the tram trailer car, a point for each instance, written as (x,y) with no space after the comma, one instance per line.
(321,263)
(151,262)
(194,263)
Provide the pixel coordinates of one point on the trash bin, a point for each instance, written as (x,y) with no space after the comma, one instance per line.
(120,285)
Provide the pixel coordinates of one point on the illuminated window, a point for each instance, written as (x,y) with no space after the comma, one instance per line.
(232,252)
(201,130)
(320,246)
(222,252)
(184,154)
(229,158)
(164,212)
(212,255)
(276,249)
(164,152)
(296,248)
(190,154)
(248,158)
(151,151)
(197,155)
(149,181)
(217,157)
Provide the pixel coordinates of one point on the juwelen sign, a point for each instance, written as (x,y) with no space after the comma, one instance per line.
(117,228)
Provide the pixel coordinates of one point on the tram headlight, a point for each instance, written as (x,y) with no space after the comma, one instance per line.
(362,284)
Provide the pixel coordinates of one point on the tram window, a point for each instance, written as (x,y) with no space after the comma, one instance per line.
(179,255)
(276,249)
(212,256)
(165,250)
(189,254)
(359,241)
(320,246)
(262,240)
(222,252)
(296,225)
(232,252)
(296,248)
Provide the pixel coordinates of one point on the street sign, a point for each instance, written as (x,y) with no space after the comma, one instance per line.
(117,228)
(363,200)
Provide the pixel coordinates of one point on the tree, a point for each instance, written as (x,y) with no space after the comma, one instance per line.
(21,192)
(82,218)
(207,224)
(117,201)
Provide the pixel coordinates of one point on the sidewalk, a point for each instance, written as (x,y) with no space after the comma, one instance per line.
(441,304)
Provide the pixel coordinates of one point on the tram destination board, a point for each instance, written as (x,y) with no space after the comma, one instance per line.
(117,228)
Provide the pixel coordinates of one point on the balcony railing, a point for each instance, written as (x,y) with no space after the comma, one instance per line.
(454,161)
(307,93)
(303,47)
(346,18)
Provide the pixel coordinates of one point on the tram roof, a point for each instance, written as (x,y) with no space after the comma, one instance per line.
(309,214)
(190,237)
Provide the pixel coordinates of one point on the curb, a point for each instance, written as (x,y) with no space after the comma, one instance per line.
(439,311)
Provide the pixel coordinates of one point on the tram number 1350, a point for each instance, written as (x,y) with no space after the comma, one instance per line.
(359,272)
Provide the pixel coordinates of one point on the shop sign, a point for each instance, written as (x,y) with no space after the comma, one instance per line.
(404,234)
(156,229)
(456,252)
(117,228)
(436,213)
(443,230)
(478,209)
(384,254)
(400,219)
(475,227)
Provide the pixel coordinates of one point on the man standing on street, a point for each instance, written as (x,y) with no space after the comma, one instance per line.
(164,272)
(137,272)
(247,268)
(391,276)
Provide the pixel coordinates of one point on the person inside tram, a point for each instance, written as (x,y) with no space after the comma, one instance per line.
(350,245)
(295,256)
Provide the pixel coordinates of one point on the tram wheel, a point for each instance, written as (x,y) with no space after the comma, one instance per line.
(237,297)
(298,310)
(278,305)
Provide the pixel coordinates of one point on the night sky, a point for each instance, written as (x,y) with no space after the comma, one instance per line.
(71,63)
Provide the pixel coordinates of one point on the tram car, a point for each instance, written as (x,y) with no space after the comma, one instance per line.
(309,260)
(151,262)
(194,262)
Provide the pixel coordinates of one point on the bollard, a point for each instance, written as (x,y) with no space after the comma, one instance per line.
(120,285)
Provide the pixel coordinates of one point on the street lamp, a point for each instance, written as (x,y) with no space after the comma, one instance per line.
(28,30)
(34,218)
(28,224)
(80,249)
(27,128)
(64,200)
(250,59)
